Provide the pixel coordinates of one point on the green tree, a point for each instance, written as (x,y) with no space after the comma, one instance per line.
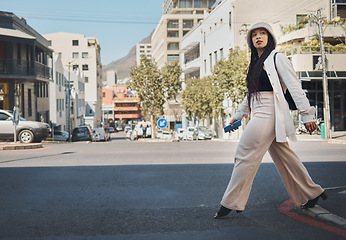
(171,73)
(197,98)
(147,81)
(229,77)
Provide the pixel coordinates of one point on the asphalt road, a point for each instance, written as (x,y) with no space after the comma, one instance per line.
(132,190)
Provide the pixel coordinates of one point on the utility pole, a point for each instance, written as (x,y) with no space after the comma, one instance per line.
(326,108)
(68,102)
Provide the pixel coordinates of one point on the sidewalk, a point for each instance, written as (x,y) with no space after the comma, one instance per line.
(19,146)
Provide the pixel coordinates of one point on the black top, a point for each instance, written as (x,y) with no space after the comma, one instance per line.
(264,83)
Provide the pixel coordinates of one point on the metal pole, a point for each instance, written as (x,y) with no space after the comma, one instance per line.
(68,103)
(325,80)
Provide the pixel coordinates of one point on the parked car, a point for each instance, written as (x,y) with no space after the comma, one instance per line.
(83,133)
(181,133)
(100,134)
(128,134)
(59,135)
(26,131)
(127,128)
(211,132)
(166,135)
(158,133)
(139,129)
(191,133)
(203,134)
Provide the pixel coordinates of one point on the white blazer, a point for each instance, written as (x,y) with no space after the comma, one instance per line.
(284,126)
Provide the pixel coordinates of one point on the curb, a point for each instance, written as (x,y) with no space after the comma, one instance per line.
(325,215)
(21,146)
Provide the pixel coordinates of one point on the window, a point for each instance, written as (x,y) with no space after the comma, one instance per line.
(86,79)
(173,46)
(85,54)
(187,23)
(185,4)
(75,42)
(230,19)
(75,55)
(198,4)
(173,58)
(221,53)
(185,32)
(215,53)
(211,61)
(85,67)
(141,46)
(19,54)
(205,66)
(173,34)
(211,3)
(173,24)
(75,67)
(103,94)
(141,51)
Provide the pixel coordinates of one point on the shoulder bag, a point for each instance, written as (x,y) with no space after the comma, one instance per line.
(287,94)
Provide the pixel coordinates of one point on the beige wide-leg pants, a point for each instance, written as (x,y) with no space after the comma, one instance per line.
(257,139)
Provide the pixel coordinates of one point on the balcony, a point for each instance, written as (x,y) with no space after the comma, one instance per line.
(13,68)
(308,58)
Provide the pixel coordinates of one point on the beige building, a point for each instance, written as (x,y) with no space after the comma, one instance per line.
(143,49)
(179,17)
(83,53)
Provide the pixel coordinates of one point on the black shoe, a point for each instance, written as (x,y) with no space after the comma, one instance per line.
(223,212)
(313,202)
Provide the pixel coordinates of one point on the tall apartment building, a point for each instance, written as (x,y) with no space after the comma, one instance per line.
(179,17)
(25,69)
(225,28)
(58,96)
(143,49)
(83,53)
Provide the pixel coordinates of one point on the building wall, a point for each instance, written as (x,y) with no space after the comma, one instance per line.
(160,40)
(143,49)
(87,53)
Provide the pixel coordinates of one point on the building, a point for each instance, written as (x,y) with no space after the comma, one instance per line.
(226,26)
(83,53)
(25,70)
(111,78)
(143,49)
(126,106)
(107,104)
(179,17)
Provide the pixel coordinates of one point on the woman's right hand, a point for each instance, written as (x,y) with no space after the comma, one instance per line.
(231,123)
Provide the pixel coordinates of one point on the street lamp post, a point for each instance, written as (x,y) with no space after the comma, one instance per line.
(326,108)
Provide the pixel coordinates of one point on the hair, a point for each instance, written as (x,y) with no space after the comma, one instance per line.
(256,66)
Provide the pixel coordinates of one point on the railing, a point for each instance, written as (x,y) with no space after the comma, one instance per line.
(10,66)
(313,50)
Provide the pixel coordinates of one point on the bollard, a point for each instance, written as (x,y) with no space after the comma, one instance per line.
(323,131)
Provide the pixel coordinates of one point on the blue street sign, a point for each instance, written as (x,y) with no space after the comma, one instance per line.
(162,123)
(16,116)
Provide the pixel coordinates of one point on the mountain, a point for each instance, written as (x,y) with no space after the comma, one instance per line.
(123,66)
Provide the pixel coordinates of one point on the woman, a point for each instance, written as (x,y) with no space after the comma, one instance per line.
(270,126)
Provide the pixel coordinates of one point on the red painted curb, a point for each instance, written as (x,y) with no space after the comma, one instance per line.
(287,207)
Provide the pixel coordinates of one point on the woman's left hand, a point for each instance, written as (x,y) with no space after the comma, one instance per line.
(310,127)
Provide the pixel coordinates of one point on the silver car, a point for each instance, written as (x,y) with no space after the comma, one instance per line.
(26,131)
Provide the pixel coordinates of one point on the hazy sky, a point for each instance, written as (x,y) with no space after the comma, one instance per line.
(117,24)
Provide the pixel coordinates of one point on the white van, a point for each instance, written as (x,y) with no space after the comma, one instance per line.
(139,130)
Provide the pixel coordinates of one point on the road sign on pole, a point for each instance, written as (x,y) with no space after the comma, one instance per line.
(15,122)
(162,123)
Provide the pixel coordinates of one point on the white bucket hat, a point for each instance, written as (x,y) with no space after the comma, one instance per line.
(260,25)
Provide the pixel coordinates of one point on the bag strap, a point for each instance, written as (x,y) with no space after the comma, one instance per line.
(278,72)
